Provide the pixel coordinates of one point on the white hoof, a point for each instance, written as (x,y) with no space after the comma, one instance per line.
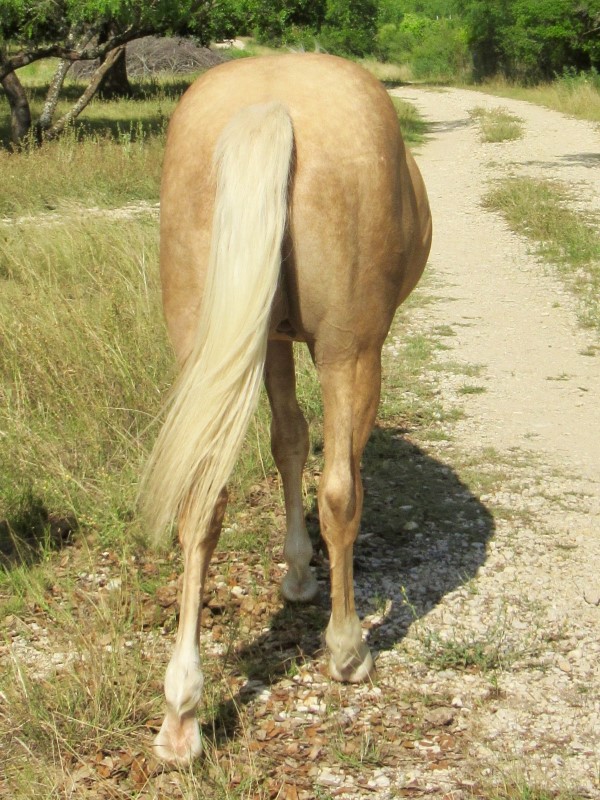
(299,586)
(355,668)
(178,741)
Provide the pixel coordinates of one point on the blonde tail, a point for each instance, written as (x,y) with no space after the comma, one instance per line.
(217,391)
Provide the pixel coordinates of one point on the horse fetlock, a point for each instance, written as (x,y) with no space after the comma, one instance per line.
(183,684)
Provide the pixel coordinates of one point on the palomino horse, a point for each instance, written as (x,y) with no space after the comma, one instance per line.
(290,211)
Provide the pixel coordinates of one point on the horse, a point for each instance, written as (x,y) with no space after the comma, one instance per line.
(290,211)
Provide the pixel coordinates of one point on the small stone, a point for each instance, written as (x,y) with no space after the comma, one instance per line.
(327,778)
(591,595)
(563,664)
(439,717)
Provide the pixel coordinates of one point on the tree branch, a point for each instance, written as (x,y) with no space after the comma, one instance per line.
(71,54)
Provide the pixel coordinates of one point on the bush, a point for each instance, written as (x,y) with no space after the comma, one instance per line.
(436,49)
(442,55)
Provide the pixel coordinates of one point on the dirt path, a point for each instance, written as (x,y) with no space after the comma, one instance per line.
(508,315)
(542,392)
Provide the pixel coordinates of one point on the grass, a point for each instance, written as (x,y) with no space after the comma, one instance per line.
(103,169)
(466,654)
(539,210)
(498,124)
(575,95)
(388,73)
(83,368)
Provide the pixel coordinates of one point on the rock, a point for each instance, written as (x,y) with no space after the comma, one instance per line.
(440,717)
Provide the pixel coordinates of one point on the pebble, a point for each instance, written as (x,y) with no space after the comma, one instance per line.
(326,778)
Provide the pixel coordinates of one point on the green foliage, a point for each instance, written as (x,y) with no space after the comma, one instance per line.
(531,40)
(350,26)
(435,48)
(340,26)
(443,54)
(283,21)
(49,21)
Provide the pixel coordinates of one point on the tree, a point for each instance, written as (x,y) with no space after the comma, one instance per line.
(75,30)
(532,40)
(340,26)
(350,26)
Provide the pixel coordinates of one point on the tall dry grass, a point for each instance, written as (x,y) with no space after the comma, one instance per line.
(83,363)
(577,95)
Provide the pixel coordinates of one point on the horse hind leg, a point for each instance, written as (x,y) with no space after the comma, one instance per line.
(179,739)
(350,395)
(289,444)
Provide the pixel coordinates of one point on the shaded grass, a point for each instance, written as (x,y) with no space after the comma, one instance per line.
(539,210)
(498,124)
(147,110)
(412,124)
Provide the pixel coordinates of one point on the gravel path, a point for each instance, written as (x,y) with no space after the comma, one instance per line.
(540,410)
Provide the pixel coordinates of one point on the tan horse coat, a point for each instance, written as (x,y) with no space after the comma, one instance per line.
(290,210)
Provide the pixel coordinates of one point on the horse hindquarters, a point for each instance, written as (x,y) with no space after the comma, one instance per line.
(218,388)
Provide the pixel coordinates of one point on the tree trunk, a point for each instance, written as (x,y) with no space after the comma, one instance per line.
(85,98)
(115,82)
(45,120)
(20,115)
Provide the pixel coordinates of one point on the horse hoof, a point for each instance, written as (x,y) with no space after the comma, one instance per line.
(299,588)
(356,669)
(178,741)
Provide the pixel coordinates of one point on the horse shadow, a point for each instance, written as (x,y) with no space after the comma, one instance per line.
(423,535)
(30,531)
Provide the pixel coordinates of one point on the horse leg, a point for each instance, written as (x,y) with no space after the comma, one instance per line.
(350,396)
(289,444)
(179,737)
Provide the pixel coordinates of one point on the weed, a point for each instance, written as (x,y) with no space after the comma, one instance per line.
(497,124)
(539,210)
(469,388)
(366,752)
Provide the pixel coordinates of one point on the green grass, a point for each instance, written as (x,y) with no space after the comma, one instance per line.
(498,124)
(540,210)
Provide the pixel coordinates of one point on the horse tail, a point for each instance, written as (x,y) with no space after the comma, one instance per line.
(213,399)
